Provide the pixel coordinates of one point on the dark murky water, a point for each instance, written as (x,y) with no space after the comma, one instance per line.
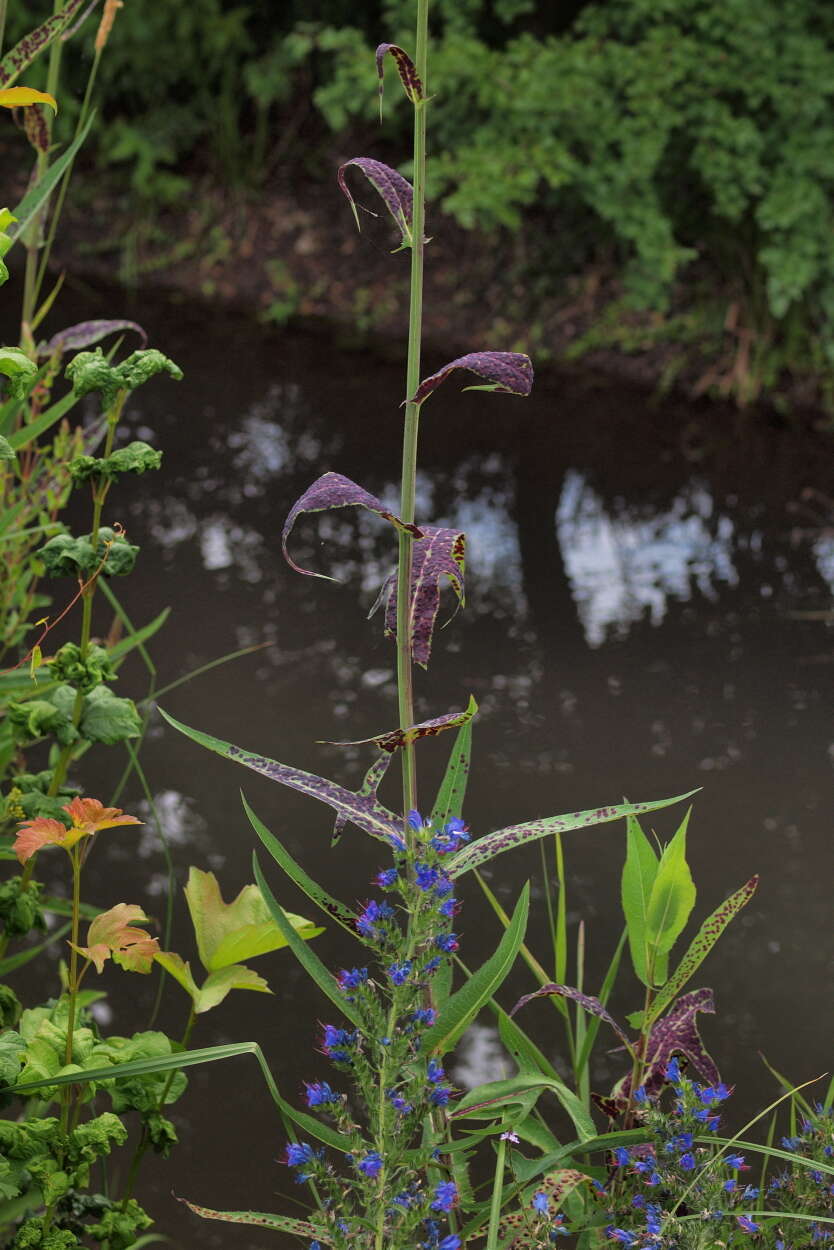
(634,573)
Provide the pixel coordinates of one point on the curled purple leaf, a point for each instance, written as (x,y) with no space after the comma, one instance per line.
(332,490)
(85,334)
(510,372)
(439,553)
(410,79)
(676,1034)
(591,1004)
(396,739)
(396,192)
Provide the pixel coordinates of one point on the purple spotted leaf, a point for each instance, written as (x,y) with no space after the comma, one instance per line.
(676,1034)
(332,490)
(396,192)
(407,70)
(369,787)
(510,372)
(85,334)
(440,553)
(35,127)
(396,739)
(32,45)
(263,1219)
(700,946)
(591,1004)
(363,810)
(492,844)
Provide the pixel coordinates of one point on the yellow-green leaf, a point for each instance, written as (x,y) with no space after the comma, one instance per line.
(16,97)
(639,873)
(670,903)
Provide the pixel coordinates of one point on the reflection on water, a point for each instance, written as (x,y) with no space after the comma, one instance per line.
(626,562)
(627,631)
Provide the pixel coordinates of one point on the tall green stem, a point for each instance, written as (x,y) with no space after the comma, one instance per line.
(405,689)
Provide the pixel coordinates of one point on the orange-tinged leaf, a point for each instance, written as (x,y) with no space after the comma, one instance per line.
(33,834)
(16,97)
(112,934)
(91,815)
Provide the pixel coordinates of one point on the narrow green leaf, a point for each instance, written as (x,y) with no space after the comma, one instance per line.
(461,1009)
(262,1219)
(326,902)
(639,873)
(49,417)
(308,959)
(34,200)
(522,1048)
(450,796)
(701,945)
(11,962)
(492,844)
(670,902)
(137,637)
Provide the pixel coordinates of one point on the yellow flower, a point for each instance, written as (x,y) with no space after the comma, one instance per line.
(16,97)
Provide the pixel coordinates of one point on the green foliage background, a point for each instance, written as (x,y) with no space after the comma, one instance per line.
(677,139)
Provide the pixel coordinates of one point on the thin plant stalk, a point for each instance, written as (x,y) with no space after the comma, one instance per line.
(30,279)
(405,688)
(497,1195)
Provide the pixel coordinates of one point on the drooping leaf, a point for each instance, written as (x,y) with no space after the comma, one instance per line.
(439,553)
(20,97)
(460,1009)
(112,934)
(91,815)
(370,785)
(37,41)
(492,844)
(332,490)
(228,933)
(19,369)
(703,942)
(328,904)
(591,1004)
(677,1034)
(216,986)
(509,372)
(450,796)
(109,719)
(639,872)
(87,334)
(262,1219)
(364,811)
(92,371)
(407,70)
(395,739)
(397,193)
(65,556)
(670,903)
(40,832)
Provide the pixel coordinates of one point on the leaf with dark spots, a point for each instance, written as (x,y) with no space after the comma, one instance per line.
(510,372)
(439,553)
(262,1219)
(410,79)
(591,1004)
(85,334)
(677,1034)
(396,739)
(32,45)
(332,490)
(492,844)
(397,193)
(362,810)
(369,786)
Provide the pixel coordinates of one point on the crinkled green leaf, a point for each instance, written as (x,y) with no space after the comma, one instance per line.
(136,457)
(92,371)
(40,718)
(65,556)
(19,369)
(109,719)
(68,667)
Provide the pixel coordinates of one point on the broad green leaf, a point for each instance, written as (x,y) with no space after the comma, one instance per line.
(492,844)
(487,1101)
(638,877)
(220,983)
(262,1219)
(463,1006)
(328,904)
(109,719)
(701,945)
(309,961)
(227,933)
(670,902)
(450,796)
(177,967)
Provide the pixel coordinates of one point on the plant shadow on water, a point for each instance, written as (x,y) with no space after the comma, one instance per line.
(634,610)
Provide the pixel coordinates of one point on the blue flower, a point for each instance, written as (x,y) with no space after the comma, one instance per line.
(445,1196)
(440,1096)
(687,1161)
(448,908)
(397,843)
(540,1202)
(424,1015)
(735,1161)
(352,978)
(432,965)
(399,1103)
(751,1191)
(371,1165)
(387,878)
(673,1071)
(434,1071)
(745,1223)
(319,1094)
(299,1153)
(335,1043)
(415,819)
(452,1242)
(399,972)
(622,1156)
(621,1234)
(653,1220)
(444,885)
(640,1094)
(447,942)
(791,1143)
(709,1095)
(371,916)
(425,876)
